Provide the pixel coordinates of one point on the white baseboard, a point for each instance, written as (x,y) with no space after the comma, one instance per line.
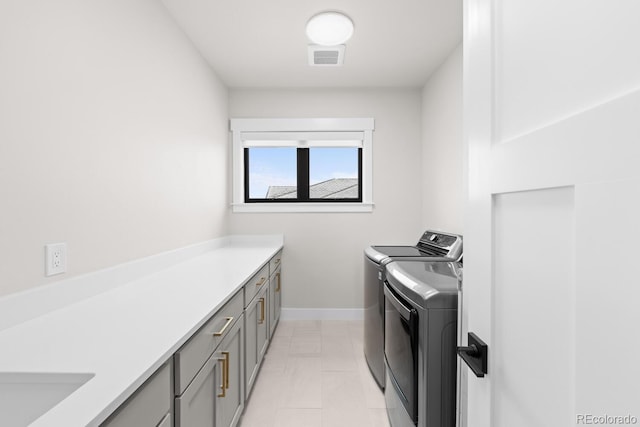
(322,314)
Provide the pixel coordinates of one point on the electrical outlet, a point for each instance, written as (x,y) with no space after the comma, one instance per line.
(55,258)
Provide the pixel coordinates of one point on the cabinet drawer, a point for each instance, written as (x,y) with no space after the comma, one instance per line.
(255,284)
(148,405)
(195,352)
(196,406)
(275,262)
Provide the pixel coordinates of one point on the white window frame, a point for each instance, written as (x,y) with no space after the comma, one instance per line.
(268,130)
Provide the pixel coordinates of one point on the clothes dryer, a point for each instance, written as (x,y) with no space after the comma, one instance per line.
(432,246)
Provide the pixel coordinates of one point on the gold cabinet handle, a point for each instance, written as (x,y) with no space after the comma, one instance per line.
(225,362)
(262,279)
(226,367)
(278,287)
(278,261)
(224,328)
(261,321)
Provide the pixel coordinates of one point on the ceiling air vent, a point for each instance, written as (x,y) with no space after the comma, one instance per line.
(326,55)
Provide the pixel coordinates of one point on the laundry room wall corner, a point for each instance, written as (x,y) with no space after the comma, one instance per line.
(443,192)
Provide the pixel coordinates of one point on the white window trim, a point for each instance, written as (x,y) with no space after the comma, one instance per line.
(264,126)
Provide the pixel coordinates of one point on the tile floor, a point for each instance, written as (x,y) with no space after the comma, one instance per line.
(315,375)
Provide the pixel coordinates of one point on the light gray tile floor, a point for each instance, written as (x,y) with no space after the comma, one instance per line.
(315,375)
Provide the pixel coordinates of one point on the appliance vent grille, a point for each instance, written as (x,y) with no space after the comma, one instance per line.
(326,55)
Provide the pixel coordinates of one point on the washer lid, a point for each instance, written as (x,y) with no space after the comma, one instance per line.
(380,254)
(402,251)
(426,284)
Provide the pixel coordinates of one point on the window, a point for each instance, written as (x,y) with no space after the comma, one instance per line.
(316,174)
(302,165)
(271,173)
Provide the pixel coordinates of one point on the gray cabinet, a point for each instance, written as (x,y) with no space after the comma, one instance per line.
(251,316)
(209,378)
(149,406)
(262,313)
(275,299)
(275,262)
(263,324)
(258,282)
(190,358)
(196,406)
(230,399)
(208,372)
(215,397)
(257,336)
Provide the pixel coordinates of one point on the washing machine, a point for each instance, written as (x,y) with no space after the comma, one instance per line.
(432,246)
(421,337)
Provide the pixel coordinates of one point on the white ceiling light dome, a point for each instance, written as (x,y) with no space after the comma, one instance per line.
(329,28)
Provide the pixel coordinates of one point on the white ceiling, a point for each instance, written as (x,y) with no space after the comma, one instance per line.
(262,43)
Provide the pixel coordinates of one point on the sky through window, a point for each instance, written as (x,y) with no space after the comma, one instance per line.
(276,166)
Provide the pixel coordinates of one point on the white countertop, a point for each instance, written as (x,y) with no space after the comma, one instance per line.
(123,335)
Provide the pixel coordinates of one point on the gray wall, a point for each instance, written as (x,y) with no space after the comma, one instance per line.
(324,252)
(443,170)
(113,137)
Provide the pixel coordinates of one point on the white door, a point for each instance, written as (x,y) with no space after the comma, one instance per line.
(552,119)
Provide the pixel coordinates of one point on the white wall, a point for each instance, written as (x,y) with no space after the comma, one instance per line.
(323,259)
(113,137)
(442,152)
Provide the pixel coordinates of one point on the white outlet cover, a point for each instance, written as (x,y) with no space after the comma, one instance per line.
(55,255)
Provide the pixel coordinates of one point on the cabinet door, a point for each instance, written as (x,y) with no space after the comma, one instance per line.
(251,316)
(278,299)
(275,301)
(196,406)
(263,324)
(230,403)
(257,336)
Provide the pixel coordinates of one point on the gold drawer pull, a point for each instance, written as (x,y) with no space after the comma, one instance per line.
(261,321)
(225,370)
(226,366)
(278,287)
(262,279)
(224,328)
(278,261)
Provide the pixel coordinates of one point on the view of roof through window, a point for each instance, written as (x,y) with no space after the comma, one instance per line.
(335,188)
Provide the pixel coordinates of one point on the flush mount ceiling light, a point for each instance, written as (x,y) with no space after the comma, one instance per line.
(329,28)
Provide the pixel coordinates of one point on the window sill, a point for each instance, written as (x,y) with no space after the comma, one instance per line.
(301,207)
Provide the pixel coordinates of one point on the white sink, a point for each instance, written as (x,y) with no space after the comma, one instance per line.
(24,397)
